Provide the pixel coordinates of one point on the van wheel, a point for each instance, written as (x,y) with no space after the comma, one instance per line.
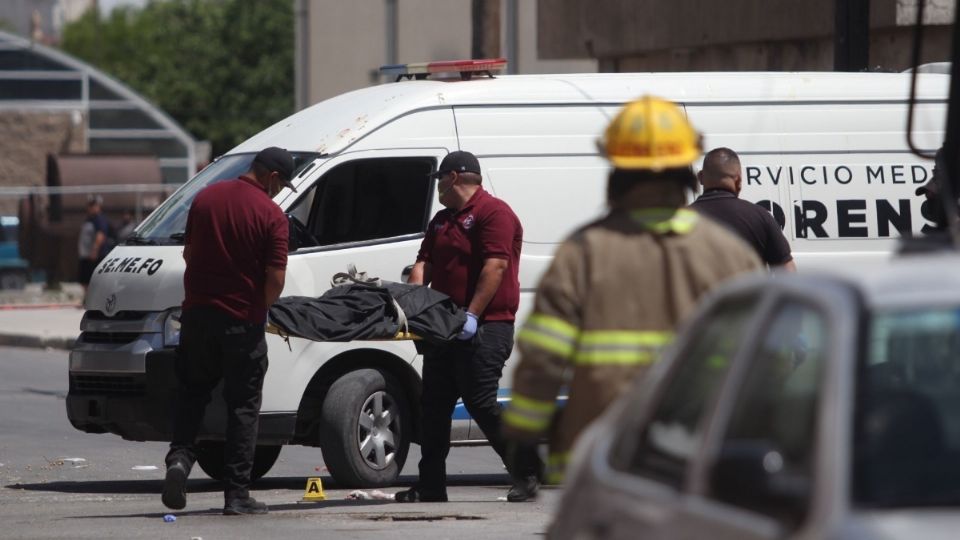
(365,429)
(210,459)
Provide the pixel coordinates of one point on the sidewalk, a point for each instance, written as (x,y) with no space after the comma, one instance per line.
(33,317)
(25,326)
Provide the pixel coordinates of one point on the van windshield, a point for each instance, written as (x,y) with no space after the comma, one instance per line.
(167,223)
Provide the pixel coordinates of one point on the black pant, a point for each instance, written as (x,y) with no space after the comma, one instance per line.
(215,347)
(469,370)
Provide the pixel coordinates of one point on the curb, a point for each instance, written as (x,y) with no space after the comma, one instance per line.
(41,306)
(37,342)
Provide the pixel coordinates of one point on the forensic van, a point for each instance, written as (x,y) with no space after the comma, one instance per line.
(826,153)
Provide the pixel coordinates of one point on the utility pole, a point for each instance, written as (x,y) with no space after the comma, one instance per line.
(851,49)
(486,28)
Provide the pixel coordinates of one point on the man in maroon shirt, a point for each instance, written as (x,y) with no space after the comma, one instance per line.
(235,247)
(471,252)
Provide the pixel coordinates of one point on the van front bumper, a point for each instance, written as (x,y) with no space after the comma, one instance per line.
(135,404)
(140,405)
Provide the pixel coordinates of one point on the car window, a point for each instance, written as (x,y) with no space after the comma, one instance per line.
(774,417)
(367,199)
(672,435)
(907,419)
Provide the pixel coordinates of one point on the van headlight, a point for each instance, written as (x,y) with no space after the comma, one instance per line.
(171,328)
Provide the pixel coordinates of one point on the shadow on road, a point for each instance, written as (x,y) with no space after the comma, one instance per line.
(205,485)
(335,503)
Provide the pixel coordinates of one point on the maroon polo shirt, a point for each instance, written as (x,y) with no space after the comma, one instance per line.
(235,231)
(457,243)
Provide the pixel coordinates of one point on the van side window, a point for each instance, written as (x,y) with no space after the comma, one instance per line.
(368,199)
(671,437)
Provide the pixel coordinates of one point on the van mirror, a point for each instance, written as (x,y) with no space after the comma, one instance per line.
(754,475)
(299,235)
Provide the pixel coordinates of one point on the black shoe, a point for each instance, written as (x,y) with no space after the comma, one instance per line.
(415,495)
(524,489)
(247,505)
(175,487)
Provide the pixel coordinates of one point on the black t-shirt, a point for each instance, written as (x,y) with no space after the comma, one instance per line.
(750,221)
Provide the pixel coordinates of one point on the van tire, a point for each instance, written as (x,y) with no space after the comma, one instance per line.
(359,449)
(210,459)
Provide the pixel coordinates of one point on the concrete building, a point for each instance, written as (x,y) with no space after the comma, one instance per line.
(341,45)
(693,35)
(52,103)
(41,20)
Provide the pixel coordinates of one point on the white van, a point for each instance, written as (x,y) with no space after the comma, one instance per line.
(824,151)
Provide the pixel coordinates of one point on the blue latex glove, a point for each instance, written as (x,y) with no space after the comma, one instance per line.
(469,327)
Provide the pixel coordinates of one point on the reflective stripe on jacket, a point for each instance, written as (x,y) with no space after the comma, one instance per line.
(605,309)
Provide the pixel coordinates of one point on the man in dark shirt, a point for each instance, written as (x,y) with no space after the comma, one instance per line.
(721,178)
(235,247)
(471,252)
(94,243)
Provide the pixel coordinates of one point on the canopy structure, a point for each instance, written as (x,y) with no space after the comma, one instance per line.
(118,121)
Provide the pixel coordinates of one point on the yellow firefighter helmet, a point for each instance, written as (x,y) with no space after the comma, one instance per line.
(650,133)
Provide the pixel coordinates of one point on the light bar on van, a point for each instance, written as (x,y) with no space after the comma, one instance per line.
(466,68)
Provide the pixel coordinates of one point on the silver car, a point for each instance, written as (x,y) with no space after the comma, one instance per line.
(807,406)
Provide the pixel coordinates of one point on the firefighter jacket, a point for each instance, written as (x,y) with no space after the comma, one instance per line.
(610,301)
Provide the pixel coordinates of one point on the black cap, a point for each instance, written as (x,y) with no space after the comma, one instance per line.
(279,161)
(458,161)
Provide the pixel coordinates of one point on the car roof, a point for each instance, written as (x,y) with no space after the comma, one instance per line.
(333,125)
(905,282)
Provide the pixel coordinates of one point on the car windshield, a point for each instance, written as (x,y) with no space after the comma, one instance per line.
(907,429)
(167,223)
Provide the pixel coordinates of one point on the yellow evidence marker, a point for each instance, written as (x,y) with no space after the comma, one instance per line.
(314,490)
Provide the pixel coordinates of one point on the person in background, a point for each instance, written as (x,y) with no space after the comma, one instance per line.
(617,289)
(127,225)
(93,243)
(721,178)
(933,209)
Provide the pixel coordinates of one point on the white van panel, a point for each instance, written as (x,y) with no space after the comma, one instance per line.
(569,191)
(427,128)
(293,365)
(532,130)
(839,173)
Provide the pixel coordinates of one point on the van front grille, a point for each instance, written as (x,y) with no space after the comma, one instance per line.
(119,316)
(116,385)
(113,338)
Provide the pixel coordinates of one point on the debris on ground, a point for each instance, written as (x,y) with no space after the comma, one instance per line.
(59,462)
(375,495)
(169,518)
(144,468)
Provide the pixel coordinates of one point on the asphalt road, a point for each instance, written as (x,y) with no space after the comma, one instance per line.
(56,482)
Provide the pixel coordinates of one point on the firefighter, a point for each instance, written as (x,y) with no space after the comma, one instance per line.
(618,287)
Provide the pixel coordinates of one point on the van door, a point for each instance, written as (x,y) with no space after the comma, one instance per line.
(368,209)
